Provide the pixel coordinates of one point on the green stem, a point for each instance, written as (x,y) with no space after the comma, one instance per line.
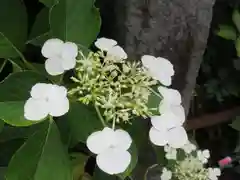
(114,122)
(3,65)
(99,115)
(145,175)
(29,65)
(154,92)
(50,118)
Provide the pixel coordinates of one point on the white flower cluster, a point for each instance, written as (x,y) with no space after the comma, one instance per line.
(191,167)
(51,99)
(120,88)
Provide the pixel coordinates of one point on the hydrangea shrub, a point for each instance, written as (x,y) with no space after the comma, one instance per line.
(91,99)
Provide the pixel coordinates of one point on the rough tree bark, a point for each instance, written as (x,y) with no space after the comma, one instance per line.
(174,29)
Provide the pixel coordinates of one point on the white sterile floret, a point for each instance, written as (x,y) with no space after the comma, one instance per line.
(171,153)
(159,68)
(214,173)
(111,148)
(203,156)
(170,96)
(166,174)
(189,147)
(175,137)
(165,121)
(60,56)
(114,52)
(46,99)
(105,44)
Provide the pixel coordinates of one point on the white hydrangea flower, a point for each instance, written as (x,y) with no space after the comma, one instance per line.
(203,156)
(159,68)
(111,149)
(175,137)
(114,52)
(169,119)
(170,96)
(214,173)
(189,147)
(46,99)
(105,44)
(166,174)
(171,153)
(60,56)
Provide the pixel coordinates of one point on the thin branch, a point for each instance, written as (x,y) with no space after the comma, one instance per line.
(212,119)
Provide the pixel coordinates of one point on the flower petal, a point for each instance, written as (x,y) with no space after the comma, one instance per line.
(164,79)
(57,92)
(95,143)
(35,109)
(68,64)
(69,50)
(53,66)
(166,66)
(148,61)
(113,161)
(170,96)
(177,137)
(100,141)
(105,44)
(123,139)
(40,90)
(117,53)
(165,121)
(58,107)
(158,138)
(52,48)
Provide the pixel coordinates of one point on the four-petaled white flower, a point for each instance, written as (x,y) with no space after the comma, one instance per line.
(213,173)
(114,52)
(46,99)
(189,147)
(166,174)
(111,149)
(159,68)
(203,156)
(60,56)
(171,153)
(175,137)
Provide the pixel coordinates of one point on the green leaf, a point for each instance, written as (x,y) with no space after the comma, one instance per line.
(236,19)
(154,101)
(2,172)
(49,3)
(8,148)
(78,163)
(14,91)
(39,40)
(1,126)
(13,29)
(82,121)
(10,132)
(40,27)
(100,175)
(48,160)
(227,32)
(76,21)
(237,46)
(236,123)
